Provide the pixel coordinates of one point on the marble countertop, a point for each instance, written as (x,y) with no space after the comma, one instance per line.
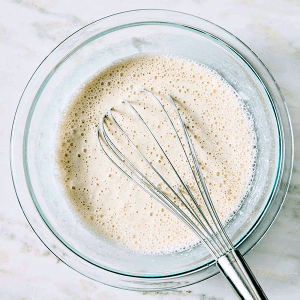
(29,30)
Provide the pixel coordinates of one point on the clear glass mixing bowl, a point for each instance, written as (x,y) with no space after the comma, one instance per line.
(47,95)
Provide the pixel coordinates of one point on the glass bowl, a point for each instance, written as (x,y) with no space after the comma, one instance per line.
(47,96)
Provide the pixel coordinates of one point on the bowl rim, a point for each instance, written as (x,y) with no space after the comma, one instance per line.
(284,173)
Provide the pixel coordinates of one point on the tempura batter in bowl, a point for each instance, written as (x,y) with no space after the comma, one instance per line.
(223,134)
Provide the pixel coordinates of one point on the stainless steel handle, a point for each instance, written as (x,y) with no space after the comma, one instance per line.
(241,278)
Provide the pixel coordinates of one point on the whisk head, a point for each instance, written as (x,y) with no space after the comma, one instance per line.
(206,225)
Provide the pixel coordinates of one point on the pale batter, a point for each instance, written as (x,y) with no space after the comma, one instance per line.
(113,206)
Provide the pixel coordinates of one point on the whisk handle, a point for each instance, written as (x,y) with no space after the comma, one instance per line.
(241,278)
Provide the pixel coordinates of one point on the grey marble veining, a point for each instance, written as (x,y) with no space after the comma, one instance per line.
(29,30)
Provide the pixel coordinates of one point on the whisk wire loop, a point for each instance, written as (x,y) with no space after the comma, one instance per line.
(217,242)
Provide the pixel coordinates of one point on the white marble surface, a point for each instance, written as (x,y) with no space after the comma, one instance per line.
(29,30)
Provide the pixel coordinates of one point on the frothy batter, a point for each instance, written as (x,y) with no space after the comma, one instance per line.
(113,206)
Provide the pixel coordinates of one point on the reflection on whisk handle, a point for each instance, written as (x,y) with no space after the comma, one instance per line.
(241,278)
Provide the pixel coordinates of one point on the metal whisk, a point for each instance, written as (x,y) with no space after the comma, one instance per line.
(207,227)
